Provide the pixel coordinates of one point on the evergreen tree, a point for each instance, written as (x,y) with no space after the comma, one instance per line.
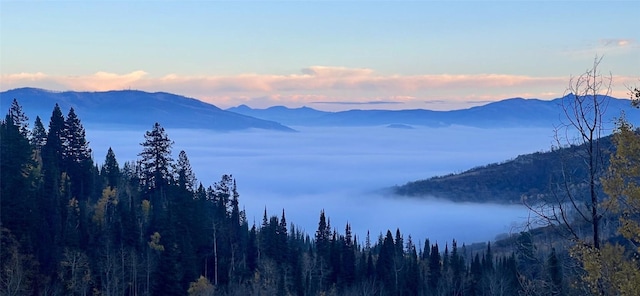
(282,240)
(237,217)
(186,177)
(456,264)
(526,261)
(371,270)
(38,134)
(76,146)
(156,158)
(348,257)
(110,170)
(53,150)
(252,250)
(52,204)
(488,264)
(334,258)
(475,286)
(77,157)
(435,269)
(425,252)
(385,268)
(17,207)
(411,284)
(323,237)
(19,119)
(399,244)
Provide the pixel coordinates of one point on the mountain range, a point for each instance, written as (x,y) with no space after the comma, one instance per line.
(134,108)
(515,112)
(139,108)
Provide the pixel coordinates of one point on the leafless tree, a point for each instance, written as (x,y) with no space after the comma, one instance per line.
(578,202)
(16,268)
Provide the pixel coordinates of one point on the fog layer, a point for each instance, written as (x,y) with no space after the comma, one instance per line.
(342,170)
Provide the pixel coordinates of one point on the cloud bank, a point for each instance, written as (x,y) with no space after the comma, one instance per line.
(342,170)
(320,84)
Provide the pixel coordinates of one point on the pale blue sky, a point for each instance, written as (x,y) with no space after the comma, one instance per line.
(423,54)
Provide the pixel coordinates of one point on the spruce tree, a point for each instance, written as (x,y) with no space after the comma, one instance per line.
(110,170)
(252,250)
(282,240)
(348,257)
(54,148)
(435,268)
(456,267)
(156,158)
(18,118)
(52,204)
(411,278)
(38,134)
(186,177)
(323,237)
(475,286)
(77,157)
(16,165)
(385,265)
(77,148)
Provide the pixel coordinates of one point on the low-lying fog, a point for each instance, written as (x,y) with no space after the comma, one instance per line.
(341,171)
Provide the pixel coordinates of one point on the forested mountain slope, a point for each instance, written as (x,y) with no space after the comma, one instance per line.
(531,175)
(149,227)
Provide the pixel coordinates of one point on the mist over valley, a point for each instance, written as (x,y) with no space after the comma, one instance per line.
(319,148)
(347,170)
(343,162)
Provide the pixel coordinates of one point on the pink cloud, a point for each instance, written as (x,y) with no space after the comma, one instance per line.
(98,81)
(314,84)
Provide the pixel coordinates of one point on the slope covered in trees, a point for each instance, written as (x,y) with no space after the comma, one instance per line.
(532,176)
(148,227)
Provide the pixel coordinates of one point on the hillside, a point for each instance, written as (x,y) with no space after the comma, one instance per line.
(134,108)
(532,175)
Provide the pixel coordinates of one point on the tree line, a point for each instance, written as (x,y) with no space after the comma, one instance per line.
(70,226)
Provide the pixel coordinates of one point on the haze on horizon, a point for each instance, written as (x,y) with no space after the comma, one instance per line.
(327,55)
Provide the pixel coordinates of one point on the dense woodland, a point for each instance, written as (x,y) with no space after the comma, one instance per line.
(73,226)
(534,175)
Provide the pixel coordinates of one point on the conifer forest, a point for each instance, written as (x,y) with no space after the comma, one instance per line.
(73,225)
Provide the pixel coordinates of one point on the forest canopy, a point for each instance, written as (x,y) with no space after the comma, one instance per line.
(149,227)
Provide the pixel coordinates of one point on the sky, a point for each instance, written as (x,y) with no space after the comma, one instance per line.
(328,55)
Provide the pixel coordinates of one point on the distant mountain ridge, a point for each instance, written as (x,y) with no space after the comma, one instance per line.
(139,108)
(514,112)
(134,108)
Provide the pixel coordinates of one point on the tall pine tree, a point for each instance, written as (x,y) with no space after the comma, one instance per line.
(156,158)
(77,157)
(19,119)
(110,171)
(38,134)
